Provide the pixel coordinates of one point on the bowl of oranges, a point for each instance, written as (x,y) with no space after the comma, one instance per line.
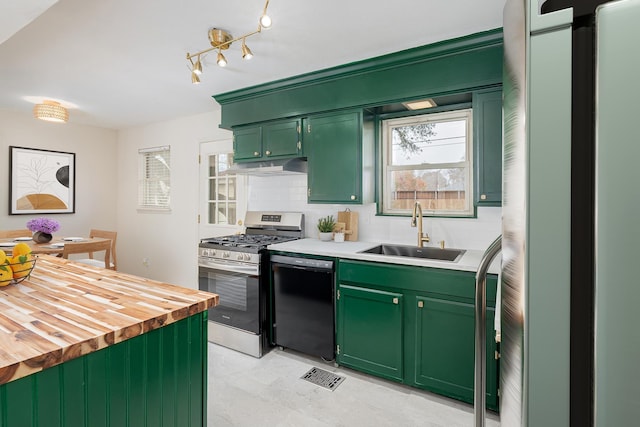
(16,267)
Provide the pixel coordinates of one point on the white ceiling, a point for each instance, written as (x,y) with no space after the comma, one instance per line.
(122,62)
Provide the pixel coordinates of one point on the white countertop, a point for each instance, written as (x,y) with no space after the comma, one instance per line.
(469,261)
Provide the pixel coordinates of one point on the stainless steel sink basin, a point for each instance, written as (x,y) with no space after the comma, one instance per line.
(416,252)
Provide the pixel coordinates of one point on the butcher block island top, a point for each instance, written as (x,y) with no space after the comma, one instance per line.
(66,310)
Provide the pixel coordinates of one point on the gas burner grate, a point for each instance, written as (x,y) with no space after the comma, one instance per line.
(323,378)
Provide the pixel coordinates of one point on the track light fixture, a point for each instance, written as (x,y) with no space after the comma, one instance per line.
(221,40)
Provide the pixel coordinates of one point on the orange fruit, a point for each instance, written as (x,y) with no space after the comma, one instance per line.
(21,265)
(5,275)
(3,256)
(21,249)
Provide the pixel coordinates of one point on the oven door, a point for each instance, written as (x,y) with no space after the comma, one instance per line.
(238,286)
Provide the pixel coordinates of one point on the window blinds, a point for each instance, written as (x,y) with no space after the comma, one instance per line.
(154,183)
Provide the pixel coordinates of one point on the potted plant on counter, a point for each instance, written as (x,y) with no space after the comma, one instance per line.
(325,228)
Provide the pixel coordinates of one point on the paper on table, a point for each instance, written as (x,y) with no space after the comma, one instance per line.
(57,245)
(73,239)
(22,239)
(7,244)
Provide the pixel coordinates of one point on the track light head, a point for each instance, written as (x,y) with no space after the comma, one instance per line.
(194,78)
(265,21)
(222,61)
(246,52)
(197,67)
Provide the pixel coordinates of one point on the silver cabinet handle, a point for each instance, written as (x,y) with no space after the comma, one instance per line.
(395,300)
(353,197)
(255,153)
(268,153)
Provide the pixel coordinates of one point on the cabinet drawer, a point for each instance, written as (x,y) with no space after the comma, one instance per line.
(453,283)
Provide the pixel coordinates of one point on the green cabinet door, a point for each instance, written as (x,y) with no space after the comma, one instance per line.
(247,143)
(445,348)
(334,154)
(281,139)
(370,329)
(487,134)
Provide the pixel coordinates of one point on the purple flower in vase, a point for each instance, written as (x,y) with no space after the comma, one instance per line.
(44,225)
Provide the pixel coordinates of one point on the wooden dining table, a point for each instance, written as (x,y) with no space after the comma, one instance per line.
(54,247)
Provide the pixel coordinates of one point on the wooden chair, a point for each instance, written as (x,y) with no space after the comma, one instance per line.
(89,247)
(111,235)
(10,234)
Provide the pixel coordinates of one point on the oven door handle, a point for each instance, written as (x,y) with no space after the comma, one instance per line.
(234,268)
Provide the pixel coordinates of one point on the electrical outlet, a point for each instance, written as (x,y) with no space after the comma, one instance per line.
(146,262)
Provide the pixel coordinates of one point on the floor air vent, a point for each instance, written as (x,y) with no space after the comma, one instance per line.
(323,378)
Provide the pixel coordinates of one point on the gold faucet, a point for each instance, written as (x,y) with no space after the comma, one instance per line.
(417,215)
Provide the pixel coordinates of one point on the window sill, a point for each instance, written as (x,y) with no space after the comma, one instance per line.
(154,210)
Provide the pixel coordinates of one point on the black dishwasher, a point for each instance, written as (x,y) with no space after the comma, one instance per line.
(303,308)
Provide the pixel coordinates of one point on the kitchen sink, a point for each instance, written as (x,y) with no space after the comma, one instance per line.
(416,252)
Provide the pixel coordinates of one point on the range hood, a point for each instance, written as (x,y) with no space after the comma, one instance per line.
(271,167)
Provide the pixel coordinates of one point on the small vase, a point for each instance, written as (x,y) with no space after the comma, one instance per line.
(40,237)
(325,237)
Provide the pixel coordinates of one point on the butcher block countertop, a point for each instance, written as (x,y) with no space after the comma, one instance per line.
(67,309)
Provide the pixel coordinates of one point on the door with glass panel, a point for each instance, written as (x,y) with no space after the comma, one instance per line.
(223,194)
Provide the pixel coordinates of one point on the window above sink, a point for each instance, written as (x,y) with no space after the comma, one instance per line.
(428,158)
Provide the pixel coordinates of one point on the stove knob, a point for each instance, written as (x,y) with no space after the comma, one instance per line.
(247,257)
(212,252)
(206,252)
(225,254)
(239,257)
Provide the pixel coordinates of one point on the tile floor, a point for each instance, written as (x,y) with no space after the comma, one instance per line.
(245,391)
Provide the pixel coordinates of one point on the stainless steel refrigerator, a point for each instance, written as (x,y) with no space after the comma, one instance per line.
(571,211)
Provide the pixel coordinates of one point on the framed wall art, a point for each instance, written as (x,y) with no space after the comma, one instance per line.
(41,181)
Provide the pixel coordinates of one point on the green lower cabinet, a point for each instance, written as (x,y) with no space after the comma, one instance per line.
(444,349)
(370,327)
(414,325)
(155,379)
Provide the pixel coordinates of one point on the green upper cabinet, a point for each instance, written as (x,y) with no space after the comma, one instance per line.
(370,331)
(458,65)
(335,149)
(247,143)
(487,134)
(282,139)
(277,140)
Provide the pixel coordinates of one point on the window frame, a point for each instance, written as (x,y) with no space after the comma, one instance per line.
(226,176)
(386,126)
(144,191)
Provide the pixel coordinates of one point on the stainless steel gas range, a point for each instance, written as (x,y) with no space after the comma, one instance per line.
(236,268)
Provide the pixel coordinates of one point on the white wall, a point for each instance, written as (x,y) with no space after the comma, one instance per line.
(169,241)
(106,195)
(96,171)
(289,193)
